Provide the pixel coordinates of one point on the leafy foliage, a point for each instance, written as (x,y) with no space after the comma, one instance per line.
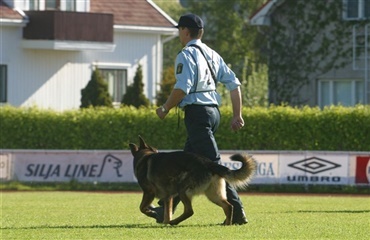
(167,83)
(233,38)
(96,92)
(306,40)
(276,128)
(236,41)
(171,47)
(135,92)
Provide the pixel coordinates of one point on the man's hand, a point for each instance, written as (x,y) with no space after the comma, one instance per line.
(161,114)
(237,123)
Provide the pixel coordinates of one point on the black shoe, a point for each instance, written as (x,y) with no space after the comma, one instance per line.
(160,213)
(240,221)
(239,218)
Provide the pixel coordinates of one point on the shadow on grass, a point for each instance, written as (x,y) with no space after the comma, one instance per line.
(321,211)
(334,211)
(328,211)
(130,226)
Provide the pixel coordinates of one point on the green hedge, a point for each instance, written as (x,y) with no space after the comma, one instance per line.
(273,128)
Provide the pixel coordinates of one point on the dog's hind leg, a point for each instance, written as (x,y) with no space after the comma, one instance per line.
(216,193)
(188,209)
(227,207)
(145,203)
(168,203)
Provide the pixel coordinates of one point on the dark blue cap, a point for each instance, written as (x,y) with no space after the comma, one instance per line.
(190,21)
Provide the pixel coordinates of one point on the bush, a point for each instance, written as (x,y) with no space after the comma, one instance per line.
(166,86)
(274,128)
(135,92)
(96,92)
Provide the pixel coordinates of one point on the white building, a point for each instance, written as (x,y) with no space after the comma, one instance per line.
(49,48)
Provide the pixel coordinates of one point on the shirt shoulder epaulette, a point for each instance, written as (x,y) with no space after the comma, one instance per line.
(183,49)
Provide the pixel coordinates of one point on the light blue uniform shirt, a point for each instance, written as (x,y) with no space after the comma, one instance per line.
(193,72)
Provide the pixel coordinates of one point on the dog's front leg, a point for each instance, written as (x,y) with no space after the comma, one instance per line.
(188,209)
(168,203)
(145,203)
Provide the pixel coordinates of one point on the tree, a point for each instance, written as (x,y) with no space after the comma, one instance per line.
(228,32)
(135,92)
(172,47)
(96,92)
(306,40)
(166,86)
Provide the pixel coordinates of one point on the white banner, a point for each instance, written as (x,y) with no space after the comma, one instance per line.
(66,166)
(313,168)
(296,167)
(4,167)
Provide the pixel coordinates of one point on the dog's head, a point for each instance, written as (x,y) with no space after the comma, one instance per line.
(142,150)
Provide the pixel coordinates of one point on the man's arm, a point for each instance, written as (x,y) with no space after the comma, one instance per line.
(175,98)
(237,121)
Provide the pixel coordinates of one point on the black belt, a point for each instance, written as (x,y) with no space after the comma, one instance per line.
(200,105)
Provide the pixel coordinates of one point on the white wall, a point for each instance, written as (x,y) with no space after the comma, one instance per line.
(54,79)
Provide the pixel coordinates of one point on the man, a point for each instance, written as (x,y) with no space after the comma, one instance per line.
(198,69)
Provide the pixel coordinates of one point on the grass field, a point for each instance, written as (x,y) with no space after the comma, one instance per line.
(89,215)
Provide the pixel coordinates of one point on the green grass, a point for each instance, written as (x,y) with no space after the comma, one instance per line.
(89,186)
(92,215)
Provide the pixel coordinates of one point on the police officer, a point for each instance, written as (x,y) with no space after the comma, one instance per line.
(198,69)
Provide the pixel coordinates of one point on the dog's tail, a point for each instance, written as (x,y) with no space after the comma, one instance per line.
(241,177)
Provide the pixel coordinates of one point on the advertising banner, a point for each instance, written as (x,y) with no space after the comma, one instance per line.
(4,167)
(313,168)
(66,166)
(299,167)
(362,175)
(267,167)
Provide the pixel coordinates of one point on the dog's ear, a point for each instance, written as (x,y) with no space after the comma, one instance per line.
(133,148)
(153,149)
(143,145)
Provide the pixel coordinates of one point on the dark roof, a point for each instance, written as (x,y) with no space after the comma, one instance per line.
(131,12)
(7,12)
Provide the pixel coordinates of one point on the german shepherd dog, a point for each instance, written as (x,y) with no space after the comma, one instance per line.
(165,175)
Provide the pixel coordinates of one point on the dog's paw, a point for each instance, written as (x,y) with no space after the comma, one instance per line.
(173,223)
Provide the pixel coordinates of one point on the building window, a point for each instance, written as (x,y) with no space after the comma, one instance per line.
(34,5)
(46,4)
(52,4)
(117,82)
(356,9)
(65,5)
(3,83)
(340,92)
(71,5)
(367,8)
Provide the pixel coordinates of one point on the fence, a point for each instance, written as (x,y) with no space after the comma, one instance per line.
(274,167)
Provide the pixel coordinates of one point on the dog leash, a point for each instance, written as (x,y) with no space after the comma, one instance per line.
(178,117)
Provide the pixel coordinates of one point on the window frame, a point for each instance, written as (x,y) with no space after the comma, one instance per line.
(354,96)
(361,11)
(115,67)
(74,5)
(36,5)
(43,5)
(4,83)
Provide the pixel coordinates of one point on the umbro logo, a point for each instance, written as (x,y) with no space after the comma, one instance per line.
(314,165)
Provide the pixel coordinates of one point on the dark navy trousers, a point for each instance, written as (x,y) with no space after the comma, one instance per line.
(201,123)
